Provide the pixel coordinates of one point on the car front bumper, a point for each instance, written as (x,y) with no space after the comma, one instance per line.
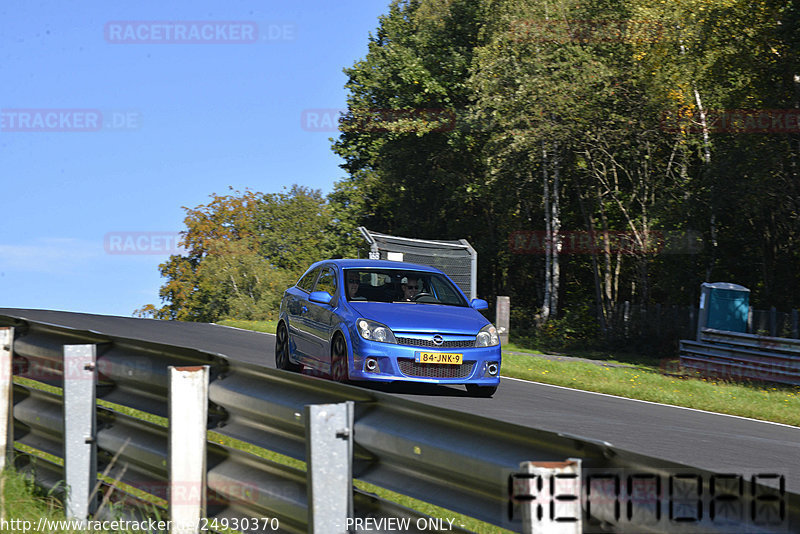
(397,363)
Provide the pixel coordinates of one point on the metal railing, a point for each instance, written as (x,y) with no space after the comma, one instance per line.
(463,463)
(735,355)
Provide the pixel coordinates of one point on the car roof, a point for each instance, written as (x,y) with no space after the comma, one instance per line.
(382,264)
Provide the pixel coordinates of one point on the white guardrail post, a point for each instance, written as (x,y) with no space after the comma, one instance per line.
(549,495)
(6,396)
(329,453)
(80,438)
(503,318)
(188,421)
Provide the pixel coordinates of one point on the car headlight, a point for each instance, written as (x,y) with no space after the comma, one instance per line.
(375,331)
(487,337)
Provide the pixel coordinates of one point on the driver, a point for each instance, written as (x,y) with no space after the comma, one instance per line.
(353,284)
(410,287)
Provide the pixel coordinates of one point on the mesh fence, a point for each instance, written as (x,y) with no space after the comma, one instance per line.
(661,327)
(774,323)
(457,259)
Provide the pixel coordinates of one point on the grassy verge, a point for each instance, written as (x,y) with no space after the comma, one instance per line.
(25,504)
(259,326)
(27,508)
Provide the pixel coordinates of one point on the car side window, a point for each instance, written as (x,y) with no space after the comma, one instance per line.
(307,282)
(327,281)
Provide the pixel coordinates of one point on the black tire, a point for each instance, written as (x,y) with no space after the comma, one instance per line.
(282,360)
(340,371)
(481,391)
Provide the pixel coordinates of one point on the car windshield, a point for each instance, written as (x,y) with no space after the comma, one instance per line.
(401,285)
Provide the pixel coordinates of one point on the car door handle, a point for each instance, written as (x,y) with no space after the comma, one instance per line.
(303,309)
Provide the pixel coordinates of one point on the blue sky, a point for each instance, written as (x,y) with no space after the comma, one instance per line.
(108,127)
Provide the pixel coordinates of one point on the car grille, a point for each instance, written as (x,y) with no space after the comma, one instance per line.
(415,342)
(434,370)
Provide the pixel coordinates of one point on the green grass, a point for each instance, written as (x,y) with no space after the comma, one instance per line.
(616,357)
(26,505)
(259,326)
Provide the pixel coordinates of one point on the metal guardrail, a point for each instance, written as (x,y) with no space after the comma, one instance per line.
(787,346)
(743,356)
(464,463)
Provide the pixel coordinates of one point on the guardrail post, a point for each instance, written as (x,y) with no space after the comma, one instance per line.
(658,321)
(80,438)
(773,321)
(502,319)
(642,325)
(626,315)
(6,396)
(473,269)
(549,494)
(329,453)
(188,420)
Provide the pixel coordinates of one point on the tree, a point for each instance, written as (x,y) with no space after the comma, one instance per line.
(244,250)
(403,137)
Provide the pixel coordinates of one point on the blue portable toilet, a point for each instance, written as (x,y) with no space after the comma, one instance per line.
(723,306)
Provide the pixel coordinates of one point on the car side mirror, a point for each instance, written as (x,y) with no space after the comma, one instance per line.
(479,304)
(321,297)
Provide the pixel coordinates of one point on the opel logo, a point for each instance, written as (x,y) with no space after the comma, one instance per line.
(438,340)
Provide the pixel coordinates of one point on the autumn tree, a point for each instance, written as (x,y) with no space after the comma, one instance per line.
(244,249)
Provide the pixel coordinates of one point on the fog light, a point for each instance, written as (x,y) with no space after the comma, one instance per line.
(492,369)
(371,365)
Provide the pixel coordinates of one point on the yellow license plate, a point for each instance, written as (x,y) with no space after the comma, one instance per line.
(438,357)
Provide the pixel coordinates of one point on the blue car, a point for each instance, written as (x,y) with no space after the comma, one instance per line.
(387,321)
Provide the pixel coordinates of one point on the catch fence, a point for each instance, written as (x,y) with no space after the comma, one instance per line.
(457,259)
(661,327)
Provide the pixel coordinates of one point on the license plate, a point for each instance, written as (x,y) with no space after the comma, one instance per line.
(438,357)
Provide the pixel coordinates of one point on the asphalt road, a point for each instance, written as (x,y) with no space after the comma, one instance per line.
(715,442)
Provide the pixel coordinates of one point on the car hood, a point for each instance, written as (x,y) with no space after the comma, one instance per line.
(426,318)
